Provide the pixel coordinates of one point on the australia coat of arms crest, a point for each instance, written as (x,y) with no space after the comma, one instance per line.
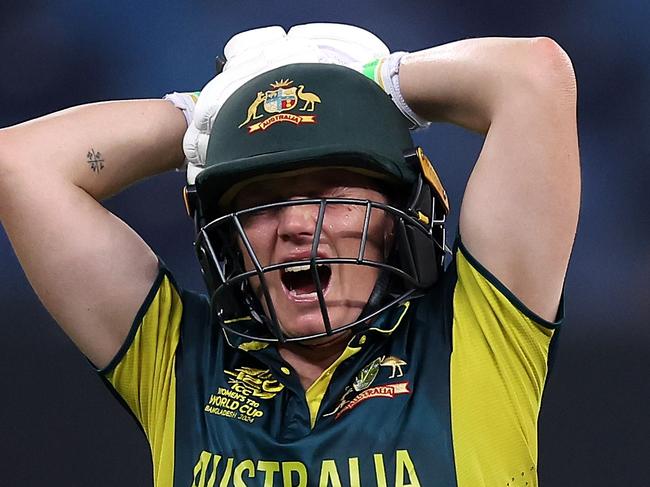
(276,102)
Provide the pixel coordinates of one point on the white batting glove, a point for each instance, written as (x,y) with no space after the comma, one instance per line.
(346,45)
(362,51)
(248,54)
(256,51)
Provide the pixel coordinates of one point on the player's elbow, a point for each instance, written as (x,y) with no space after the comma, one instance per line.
(550,71)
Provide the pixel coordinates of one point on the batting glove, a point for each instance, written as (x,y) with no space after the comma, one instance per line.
(256,51)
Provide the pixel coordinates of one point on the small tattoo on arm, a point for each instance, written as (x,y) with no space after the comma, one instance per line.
(95,160)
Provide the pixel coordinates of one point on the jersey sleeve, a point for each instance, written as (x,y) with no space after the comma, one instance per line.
(499,363)
(143,372)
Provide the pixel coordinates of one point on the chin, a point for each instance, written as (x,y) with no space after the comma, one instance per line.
(311,323)
(327,341)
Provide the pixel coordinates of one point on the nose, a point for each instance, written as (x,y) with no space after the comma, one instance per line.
(297,222)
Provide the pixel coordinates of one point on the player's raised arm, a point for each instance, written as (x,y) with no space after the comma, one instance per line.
(520,208)
(88,267)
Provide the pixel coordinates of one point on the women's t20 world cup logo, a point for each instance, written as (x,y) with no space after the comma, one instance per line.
(283,98)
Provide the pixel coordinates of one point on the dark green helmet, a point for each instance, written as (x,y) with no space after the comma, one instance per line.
(296,118)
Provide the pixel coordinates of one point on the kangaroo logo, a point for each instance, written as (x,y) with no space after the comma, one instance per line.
(252,110)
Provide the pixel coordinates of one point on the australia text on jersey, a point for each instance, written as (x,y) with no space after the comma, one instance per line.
(212,470)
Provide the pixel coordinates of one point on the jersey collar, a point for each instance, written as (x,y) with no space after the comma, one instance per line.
(384,325)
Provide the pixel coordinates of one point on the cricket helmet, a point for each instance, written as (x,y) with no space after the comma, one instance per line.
(297,118)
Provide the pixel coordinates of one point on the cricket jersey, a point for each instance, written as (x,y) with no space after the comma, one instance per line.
(441,391)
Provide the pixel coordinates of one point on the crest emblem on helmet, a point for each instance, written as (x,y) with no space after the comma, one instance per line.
(280,100)
(284,98)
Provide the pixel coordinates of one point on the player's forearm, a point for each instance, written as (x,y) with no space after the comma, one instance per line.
(101,148)
(470,82)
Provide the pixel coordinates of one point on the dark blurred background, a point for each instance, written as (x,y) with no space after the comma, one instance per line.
(60,426)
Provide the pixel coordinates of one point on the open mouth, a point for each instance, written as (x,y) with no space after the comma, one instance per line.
(299,283)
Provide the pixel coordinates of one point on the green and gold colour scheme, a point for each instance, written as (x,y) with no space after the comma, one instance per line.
(442,391)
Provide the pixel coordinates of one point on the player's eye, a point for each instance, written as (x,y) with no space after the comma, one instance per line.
(258,216)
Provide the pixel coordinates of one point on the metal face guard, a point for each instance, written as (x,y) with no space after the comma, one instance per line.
(239,311)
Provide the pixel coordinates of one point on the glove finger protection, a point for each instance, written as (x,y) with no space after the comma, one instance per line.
(246,45)
(362,51)
(259,50)
(342,44)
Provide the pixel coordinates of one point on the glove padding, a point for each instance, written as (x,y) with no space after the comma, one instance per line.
(254,52)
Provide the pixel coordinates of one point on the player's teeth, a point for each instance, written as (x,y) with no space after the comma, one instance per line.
(293,292)
(297,268)
(300,268)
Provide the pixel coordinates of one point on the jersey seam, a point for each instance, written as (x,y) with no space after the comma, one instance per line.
(509,295)
(137,321)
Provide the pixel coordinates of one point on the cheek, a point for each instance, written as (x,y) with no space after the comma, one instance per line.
(380,235)
(260,235)
(261,240)
(345,228)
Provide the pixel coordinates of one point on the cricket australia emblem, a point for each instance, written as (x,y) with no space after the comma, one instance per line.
(360,390)
(280,100)
(276,102)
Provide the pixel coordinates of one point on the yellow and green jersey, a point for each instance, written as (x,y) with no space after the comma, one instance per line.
(442,391)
